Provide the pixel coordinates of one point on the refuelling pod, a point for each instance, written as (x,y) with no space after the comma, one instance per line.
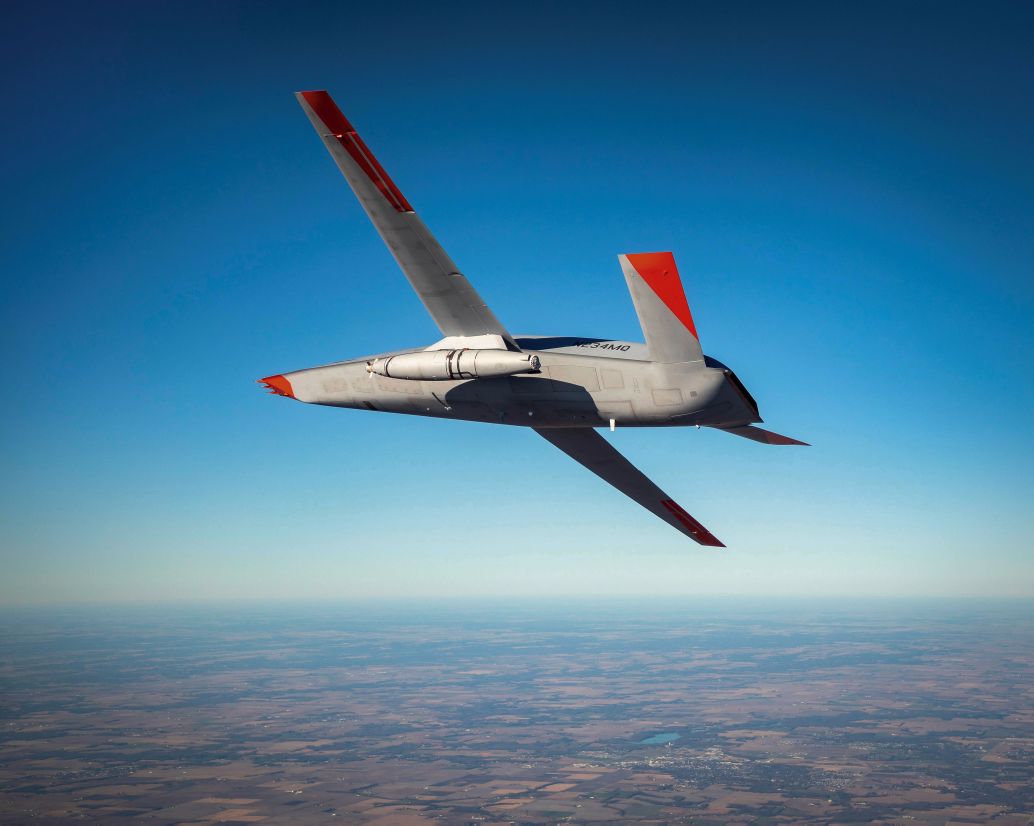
(451,365)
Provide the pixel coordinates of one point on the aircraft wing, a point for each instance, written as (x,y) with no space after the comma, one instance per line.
(585,445)
(453,303)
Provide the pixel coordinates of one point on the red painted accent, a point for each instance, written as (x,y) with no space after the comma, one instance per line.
(278,385)
(659,271)
(771,438)
(337,124)
(327,111)
(700,533)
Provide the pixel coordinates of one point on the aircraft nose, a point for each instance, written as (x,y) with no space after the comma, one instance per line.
(278,385)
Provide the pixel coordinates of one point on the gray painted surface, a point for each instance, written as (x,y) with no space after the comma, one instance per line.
(453,303)
(565,392)
(580,383)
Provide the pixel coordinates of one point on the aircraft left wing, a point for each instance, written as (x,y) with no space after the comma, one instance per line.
(585,445)
(453,303)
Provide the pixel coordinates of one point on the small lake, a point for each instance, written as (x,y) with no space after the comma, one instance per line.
(661,739)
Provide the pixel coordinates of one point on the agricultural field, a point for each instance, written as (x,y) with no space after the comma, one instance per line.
(623,712)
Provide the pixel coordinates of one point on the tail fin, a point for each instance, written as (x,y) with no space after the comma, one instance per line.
(660,302)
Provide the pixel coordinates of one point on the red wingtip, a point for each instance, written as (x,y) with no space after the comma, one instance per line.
(327,111)
(337,124)
(278,385)
(778,439)
(759,434)
(696,530)
(659,271)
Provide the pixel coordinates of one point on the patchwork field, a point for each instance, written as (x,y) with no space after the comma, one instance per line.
(520,713)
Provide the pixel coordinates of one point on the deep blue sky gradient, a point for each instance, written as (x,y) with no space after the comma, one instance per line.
(849,194)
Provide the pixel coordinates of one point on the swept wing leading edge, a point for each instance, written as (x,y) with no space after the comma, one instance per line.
(585,445)
(453,303)
(457,308)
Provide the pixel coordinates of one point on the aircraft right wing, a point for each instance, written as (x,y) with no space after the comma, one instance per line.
(453,303)
(585,445)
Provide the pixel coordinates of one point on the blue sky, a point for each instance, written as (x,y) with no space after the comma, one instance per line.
(849,195)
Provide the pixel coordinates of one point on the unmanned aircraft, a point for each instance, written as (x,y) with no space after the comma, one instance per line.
(562,387)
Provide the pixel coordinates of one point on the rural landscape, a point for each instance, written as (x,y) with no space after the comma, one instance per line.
(521,713)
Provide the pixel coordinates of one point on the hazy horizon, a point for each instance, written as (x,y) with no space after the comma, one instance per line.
(636,604)
(805,713)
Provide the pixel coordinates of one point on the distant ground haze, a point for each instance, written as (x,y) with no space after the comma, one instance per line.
(535,712)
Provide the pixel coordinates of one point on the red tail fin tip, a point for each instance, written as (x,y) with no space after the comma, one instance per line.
(658,270)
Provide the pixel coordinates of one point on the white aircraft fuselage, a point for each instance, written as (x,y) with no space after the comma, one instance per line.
(581,382)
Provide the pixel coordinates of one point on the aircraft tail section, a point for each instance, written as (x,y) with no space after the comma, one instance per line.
(660,302)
